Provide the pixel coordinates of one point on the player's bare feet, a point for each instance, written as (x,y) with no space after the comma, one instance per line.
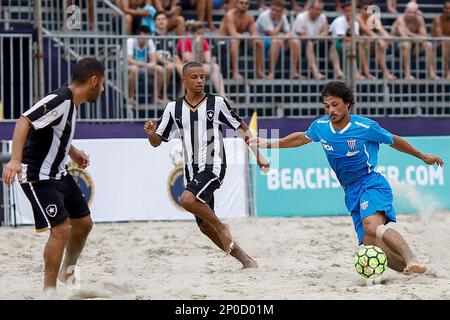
(414,267)
(226,238)
(250,264)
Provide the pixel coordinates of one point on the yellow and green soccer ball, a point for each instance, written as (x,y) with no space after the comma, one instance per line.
(370,262)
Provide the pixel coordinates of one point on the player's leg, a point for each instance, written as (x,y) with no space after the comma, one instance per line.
(49,213)
(195,198)
(208,230)
(81,225)
(394,261)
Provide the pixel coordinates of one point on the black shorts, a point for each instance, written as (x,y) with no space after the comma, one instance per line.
(55,200)
(203,186)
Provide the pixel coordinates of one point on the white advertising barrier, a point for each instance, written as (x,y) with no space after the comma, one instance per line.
(129,180)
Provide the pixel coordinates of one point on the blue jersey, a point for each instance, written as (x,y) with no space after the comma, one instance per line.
(353,151)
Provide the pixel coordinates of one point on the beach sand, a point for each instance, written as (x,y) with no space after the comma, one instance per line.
(300,258)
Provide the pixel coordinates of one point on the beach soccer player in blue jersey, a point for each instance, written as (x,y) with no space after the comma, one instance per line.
(351,144)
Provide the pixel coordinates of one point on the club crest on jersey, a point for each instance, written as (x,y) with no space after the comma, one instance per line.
(210,115)
(51,210)
(84,181)
(175,183)
(351,144)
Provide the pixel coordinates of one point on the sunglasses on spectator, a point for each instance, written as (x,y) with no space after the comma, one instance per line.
(244,2)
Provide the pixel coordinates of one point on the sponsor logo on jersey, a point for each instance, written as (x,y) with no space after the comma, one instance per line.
(327,147)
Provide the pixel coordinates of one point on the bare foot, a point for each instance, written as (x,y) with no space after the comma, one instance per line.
(260,75)
(318,76)
(340,75)
(226,238)
(434,77)
(370,76)
(414,267)
(250,264)
(448,76)
(389,76)
(270,76)
(238,77)
(410,77)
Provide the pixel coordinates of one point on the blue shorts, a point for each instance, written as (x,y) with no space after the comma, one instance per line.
(365,198)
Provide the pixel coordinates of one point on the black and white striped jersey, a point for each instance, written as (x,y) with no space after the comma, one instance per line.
(200,130)
(50,137)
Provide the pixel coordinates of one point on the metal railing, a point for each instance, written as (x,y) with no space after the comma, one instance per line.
(103,17)
(280,96)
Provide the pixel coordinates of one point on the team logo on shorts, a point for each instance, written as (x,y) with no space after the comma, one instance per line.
(210,115)
(351,144)
(175,183)
(51,210)
(83,179)
(364,205)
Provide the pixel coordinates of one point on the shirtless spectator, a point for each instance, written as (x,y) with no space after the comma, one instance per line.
(273,22)
(380,46)
(441,28)
(134,12)
(172,11)
(312,23)
(235,22)
(411,24)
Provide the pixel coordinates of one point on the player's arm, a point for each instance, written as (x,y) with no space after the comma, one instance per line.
(402,145)
(246,134)
(14,166)
(80,158)
(150,128)
(293,140)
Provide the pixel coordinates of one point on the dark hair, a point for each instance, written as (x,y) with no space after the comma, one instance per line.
(143,29)
(86,68)
(364,3)
(190,65)
(338,89)
(346,4)
(158,14)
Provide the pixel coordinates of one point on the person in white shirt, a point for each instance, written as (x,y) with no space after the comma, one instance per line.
(340,27)
(142,58)
(273,22)
(312,23)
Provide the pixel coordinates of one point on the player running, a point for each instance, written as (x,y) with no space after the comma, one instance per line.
(197,118)
(351,144)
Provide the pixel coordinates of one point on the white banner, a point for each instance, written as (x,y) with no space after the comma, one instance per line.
(129,180)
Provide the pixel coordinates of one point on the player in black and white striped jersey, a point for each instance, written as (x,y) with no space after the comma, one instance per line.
(197,119)
(42,141)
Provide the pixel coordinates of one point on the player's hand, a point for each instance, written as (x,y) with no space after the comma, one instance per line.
(432,159)
(80,158)
(257,142)
(150,127)
(263,163)
(12,169)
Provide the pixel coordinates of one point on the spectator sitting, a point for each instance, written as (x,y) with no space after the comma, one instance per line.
(166,50)
(134,11)
(197,49)
(142,59)
(370,46)
(273,22)
(340,27)
(411,24)
(172,11)
(441,28)
(312,23)
(235,22)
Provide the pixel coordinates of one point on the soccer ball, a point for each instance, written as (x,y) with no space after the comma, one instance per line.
(370,262)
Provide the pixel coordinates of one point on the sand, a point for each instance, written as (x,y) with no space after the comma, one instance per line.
(300,258)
